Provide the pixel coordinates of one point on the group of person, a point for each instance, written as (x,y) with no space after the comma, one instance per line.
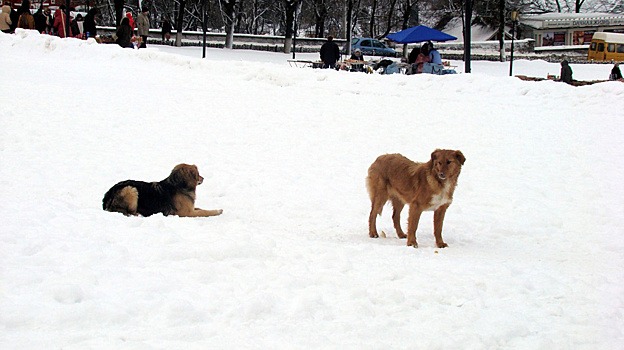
(566,73)
(125,30)
(80,27)
(47,23)
(419,56)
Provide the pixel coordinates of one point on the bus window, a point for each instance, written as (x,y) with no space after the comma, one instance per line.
(611,47)
(620,48)
(593,46)
(600,47)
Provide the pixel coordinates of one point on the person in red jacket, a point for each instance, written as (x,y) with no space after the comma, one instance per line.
(130,20)
(59,22)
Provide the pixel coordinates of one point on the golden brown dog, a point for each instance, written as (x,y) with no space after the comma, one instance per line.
(423,186)
(174,195)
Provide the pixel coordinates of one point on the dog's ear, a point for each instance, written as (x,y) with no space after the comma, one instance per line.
(460,157)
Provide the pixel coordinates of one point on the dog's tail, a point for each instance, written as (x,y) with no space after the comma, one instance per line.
(124,200)
(373,184)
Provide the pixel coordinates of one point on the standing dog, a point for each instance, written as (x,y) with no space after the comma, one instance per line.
(174,195)
(423,186)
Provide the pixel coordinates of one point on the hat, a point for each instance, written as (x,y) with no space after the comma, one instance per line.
(358,50)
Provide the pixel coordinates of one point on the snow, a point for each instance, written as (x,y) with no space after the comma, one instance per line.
(535,230)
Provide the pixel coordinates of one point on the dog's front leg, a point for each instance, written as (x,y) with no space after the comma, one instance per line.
(412,224)
(438,221)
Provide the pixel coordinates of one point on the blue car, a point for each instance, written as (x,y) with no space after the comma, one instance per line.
(371,47)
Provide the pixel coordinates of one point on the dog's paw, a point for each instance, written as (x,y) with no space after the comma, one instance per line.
(441,245)
(401,235)
(219,211)
(412,244)
(373,235)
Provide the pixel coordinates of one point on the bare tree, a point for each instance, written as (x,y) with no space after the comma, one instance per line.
(290,7)
(229,16)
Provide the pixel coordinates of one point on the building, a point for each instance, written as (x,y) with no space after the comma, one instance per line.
(568,29)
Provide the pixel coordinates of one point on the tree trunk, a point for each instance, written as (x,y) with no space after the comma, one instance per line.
(501,29)
(290,8)
(179,22)
(349,19)
(119,5)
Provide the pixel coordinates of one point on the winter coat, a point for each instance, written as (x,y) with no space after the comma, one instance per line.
(166,27)
(420,62)
(566,72)
(124,35)
(40,21)
(89,23)
(616,74)
(143,24)
(26,21)
(330,53)
(434,56)
(59,23)
(5,18)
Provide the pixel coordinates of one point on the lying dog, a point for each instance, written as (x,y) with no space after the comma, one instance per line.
(423,186)
(174,195)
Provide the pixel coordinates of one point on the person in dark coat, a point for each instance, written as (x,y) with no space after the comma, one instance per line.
(566,72)
(40,20)
(14,17)
(124,34)
(330,53)
(89,22)
(166,30)
(616,73)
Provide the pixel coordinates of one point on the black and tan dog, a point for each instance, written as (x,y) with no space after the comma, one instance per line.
(174,195)
(423,186)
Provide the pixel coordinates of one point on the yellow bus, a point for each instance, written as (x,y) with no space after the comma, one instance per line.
(606,47)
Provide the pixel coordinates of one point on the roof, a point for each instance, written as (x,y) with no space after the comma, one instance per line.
(609,37)
(571,20)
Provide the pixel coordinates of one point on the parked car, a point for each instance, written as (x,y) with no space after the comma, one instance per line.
(371,47)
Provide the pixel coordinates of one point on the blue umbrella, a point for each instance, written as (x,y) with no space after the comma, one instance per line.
(419,34)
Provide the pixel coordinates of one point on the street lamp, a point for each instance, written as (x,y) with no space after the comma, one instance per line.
(514,21)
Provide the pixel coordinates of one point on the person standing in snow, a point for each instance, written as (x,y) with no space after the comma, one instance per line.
(330,53)
(5,19)
(143,25)
(59,22)
(25,19)
(166,30)
(89,22)
(566,72)
(40,20)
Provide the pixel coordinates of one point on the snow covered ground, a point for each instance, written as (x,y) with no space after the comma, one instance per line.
(535,232)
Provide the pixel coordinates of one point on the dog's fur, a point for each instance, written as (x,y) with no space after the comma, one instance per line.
(174,195)
(423,186)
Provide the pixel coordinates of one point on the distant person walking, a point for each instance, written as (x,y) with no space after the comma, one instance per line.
(143,25)
(330,53)
(566,72)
